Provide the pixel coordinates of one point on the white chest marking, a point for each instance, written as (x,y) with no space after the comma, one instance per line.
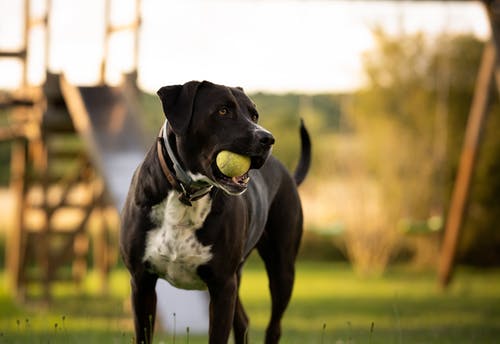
(172,249)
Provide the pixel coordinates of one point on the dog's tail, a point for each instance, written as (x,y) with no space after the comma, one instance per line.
(305,155)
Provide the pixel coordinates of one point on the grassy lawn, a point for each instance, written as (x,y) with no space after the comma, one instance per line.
(330,305)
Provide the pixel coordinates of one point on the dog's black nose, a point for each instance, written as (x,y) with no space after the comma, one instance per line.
(266,138)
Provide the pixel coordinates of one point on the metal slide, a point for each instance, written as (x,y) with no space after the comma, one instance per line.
(106,118)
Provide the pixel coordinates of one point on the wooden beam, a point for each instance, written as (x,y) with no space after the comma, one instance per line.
(21,54)
(26,36)
(105,54)
(8,103)
(15,237)
(123,27)
(475,124)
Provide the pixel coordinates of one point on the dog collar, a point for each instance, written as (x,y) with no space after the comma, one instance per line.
(189,189)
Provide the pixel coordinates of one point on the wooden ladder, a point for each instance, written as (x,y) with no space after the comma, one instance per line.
(58,194)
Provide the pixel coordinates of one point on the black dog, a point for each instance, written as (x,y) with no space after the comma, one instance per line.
(188,223)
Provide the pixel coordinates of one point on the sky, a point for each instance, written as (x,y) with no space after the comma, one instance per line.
(262,45)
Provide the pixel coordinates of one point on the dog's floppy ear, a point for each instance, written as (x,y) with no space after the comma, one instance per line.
(177,102)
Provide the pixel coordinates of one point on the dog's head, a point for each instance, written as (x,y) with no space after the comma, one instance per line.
(207,118)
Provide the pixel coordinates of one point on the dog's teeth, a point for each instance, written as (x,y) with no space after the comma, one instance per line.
(241,179)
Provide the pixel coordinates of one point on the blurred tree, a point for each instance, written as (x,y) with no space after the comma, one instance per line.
(410,120)
(322,115)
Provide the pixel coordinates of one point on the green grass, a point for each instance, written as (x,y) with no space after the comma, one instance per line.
(404,306)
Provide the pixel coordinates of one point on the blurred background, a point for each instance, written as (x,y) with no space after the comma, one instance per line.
(402,204)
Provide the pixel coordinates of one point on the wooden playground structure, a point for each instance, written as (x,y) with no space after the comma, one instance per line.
(74,150)
(63,201)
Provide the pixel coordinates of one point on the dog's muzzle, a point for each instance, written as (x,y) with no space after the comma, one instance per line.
(259,149)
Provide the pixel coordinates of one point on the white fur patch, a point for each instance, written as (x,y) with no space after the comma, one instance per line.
(172,249)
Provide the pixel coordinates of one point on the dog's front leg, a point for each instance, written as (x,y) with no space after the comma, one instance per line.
(144,307)
(222,305)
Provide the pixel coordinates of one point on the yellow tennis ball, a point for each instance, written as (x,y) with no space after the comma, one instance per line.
(232,164)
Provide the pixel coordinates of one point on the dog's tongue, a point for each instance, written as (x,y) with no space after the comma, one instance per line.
(243,179)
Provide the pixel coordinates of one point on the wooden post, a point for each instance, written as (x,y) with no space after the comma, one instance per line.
(26,35)
(137,26)
(475,123)
(48,35)
(16,240)
(107,33)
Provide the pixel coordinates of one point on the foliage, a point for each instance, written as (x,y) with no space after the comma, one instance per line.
(281,113)
(153,116)
(393,119)
(318,246)
(410,121)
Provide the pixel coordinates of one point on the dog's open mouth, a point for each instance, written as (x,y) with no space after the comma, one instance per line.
(236,185)
(233,185)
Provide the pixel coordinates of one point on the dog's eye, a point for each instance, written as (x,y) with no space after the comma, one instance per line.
(223,111)
(255,118)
